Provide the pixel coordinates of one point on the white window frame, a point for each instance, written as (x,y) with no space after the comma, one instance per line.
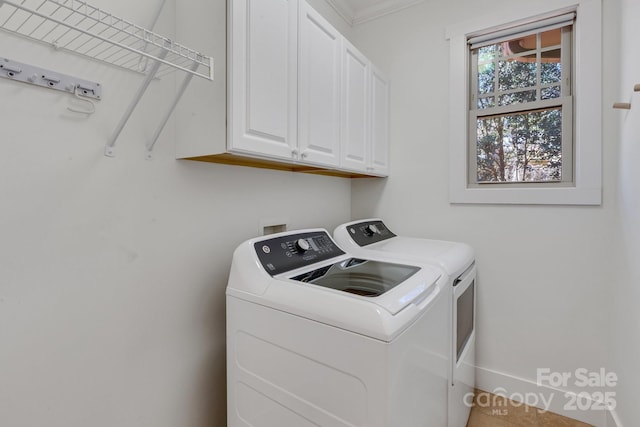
(586,188)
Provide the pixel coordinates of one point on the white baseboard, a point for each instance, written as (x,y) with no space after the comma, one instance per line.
(543,397)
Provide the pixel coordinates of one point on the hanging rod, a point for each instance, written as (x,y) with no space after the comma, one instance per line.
(78,27)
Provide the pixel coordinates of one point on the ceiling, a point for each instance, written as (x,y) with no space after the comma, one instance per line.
(358,11)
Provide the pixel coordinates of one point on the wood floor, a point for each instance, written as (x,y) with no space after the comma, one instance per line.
(490,410)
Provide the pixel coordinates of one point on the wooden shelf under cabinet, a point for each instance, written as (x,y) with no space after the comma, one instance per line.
(233,159)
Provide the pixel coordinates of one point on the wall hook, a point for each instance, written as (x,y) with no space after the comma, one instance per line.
(626,105)
(91,108)
(622,105)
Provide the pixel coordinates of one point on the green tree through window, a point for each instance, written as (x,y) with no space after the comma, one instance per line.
(520,109)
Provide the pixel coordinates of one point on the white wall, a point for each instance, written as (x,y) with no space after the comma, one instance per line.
(625,313)
(113,270)
(544,277)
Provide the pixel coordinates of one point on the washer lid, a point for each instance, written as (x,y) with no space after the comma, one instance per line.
(360,276)
(389,285)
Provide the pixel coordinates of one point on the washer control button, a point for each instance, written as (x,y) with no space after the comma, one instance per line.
(371,229)
(302,245)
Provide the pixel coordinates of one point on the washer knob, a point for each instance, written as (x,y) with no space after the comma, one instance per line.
(302,245)
(371,229)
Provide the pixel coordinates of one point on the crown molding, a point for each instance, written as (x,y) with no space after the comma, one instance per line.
(343,9)
(381,9)
(369,13)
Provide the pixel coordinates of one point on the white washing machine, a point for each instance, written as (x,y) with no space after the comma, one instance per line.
(317,337)
(371,236)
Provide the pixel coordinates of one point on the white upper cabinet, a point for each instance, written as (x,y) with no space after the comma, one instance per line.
(263,81)
(355,108)
(365,115)
(319,89)
(379,155)
(298,95)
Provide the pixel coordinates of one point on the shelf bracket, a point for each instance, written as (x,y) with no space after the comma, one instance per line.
(109,149)
(167,116)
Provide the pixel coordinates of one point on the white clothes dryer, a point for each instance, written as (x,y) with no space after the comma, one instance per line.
(371,236)
(317,337)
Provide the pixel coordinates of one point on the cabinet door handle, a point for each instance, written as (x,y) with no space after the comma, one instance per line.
(304,155)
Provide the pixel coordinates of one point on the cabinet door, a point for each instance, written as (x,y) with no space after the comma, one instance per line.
(263,69)
(319,89)
(379,159)
(355,108)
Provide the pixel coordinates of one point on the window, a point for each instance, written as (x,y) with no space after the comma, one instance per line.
(526,126)
(520,107)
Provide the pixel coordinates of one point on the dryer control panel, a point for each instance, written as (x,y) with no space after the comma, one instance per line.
(368,232)
(286,253)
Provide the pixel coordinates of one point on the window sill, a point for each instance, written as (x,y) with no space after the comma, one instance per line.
(530,196)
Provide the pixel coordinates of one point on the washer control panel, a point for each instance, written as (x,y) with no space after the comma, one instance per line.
(296,250)
(368,232)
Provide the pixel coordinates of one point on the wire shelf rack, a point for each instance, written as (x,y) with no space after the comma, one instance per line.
(90,31)
(78,27)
